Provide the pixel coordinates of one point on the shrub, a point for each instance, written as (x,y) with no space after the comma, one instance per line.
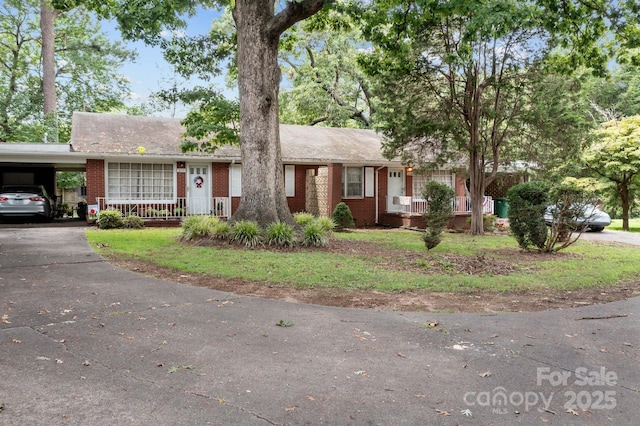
(569,202)
(326,223)
(133,222)
(152,212)
(110,219)
(280,234)
(313,235)
(198,227)
(342,217)
(527,204)
(178,211)
(303,218)
(439,211)
(246,232)
(221,230)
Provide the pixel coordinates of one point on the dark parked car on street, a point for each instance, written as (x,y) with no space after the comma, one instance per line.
(25,201)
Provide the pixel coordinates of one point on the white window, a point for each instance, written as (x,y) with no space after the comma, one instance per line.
(352,182)
(140,181)
(290,181)
(235,180)
(443,176)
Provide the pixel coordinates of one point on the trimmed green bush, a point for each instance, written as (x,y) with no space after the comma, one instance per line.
(303,218)
(110,219)
(438,213)
(527,204)
(342,217)
(133,222)
(280,234)
(198,227)
(246,232)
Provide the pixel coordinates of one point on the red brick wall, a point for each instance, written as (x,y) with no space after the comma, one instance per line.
(297,203)
(220,176)
(362,209)
(95,180)
(334,192)
(383,178)
(181,180)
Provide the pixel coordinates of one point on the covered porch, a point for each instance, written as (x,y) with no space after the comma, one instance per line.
(177,210)
(406,211)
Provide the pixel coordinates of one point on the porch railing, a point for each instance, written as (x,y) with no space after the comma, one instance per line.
(461,205)
(215,206)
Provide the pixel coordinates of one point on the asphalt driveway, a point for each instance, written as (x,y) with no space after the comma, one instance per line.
(85,343)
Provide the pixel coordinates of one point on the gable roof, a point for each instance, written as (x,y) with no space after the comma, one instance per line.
(110,135)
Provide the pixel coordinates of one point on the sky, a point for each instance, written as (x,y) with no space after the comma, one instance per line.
(150,72)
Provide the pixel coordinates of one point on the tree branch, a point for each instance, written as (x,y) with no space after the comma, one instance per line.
(293,13)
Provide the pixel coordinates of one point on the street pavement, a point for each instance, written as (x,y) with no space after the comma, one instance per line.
(83,342)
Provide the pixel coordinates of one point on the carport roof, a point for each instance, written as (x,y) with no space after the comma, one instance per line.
(110,135)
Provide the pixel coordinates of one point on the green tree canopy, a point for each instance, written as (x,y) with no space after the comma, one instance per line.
(462,77)
(615,156)
(86,72)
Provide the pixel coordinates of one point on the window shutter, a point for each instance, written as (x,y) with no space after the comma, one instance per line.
(290,180)
(235,180)
(368,182)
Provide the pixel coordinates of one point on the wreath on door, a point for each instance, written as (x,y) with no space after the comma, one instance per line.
(198,180)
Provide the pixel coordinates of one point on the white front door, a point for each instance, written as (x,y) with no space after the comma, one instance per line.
(198,189)
(395,188)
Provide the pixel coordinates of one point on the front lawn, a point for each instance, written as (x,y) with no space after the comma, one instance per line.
(384,260)
(634,225)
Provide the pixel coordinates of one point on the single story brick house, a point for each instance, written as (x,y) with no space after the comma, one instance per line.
(134,164)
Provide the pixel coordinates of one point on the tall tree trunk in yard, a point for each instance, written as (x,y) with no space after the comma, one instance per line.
(258,31)
(47,19)
(623,190)
(476,189)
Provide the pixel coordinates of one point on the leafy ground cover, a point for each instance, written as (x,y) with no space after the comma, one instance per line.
(387,269)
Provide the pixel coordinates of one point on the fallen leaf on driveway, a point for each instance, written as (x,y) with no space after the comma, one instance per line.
(444,413)
(5,319)
(571,411)
(485,374)
(290,409)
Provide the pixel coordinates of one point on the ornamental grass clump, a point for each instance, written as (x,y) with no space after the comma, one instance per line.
(247,233)
(303,218)
(314,235)
(221,230)
(198,227)
(280,234)
(110,219)
(326,223)
(133,222)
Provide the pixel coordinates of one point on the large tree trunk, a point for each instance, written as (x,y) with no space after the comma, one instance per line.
(258,31)
(476,192)
(47,19)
